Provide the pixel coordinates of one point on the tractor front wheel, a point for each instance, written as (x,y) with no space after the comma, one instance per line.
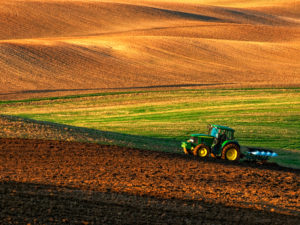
(231,152)
(201,151)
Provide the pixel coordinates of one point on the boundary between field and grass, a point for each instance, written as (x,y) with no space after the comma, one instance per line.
(61,132)
(154,123)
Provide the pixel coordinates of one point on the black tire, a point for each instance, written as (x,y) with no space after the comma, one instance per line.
(201,151)
(231,152)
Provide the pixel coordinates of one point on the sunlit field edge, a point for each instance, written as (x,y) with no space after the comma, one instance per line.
(266,118)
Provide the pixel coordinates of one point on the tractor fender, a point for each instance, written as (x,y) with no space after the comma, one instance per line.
(229,142)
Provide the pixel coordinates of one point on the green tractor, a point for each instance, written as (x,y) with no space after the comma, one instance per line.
(219,143)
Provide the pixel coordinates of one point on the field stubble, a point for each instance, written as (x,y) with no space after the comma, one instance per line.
(45,50)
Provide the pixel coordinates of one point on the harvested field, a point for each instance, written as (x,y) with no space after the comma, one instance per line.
(54,182)
(52,48)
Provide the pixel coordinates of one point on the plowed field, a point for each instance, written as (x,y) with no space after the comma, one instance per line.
(55,48)
(54,182)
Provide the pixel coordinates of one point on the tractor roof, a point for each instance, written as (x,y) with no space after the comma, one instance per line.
(198,135)
(222,127)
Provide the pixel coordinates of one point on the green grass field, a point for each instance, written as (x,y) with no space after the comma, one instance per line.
(261,117)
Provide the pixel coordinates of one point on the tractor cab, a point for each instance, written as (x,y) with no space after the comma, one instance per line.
(217,131)
(222,136)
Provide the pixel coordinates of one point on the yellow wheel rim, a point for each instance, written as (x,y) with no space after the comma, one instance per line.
(231,154)
(202,152)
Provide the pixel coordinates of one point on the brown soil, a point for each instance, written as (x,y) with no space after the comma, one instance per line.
(52,48)
(54,182)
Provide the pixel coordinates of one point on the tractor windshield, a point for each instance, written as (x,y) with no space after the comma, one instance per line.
(213,132)
(217,130)
(229,134)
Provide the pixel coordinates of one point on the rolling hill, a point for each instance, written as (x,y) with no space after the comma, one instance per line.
(62,47)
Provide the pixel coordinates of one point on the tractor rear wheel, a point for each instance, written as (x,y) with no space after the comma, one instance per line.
(201,151)
(231,152)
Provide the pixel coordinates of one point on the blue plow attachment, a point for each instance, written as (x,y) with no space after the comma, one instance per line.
(259,154)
